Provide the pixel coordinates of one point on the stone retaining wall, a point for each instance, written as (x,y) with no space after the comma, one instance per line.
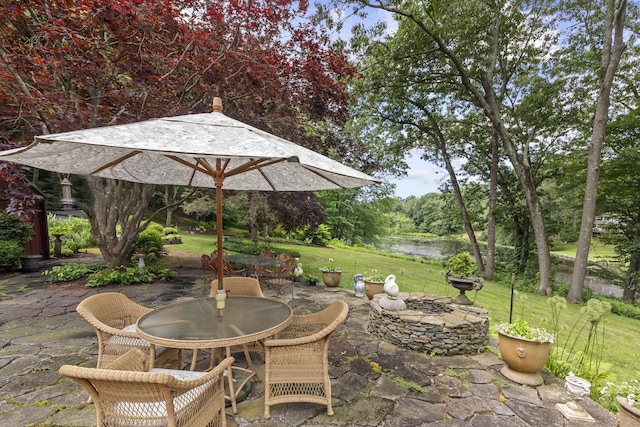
(431,324)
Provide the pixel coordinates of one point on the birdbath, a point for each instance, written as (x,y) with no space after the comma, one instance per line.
(141,264)
(576,387)
(57,244)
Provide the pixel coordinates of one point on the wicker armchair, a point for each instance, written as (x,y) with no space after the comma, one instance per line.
(126,394)
(114,317)
(296,360)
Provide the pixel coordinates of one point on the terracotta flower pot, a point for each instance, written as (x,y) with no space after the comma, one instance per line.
(629,416)
(524,359)
(372,288)
(331,278)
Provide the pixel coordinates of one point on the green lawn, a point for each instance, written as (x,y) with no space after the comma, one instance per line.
(598,251)
(413,274)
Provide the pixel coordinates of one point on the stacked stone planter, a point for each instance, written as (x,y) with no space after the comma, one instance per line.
(431,324)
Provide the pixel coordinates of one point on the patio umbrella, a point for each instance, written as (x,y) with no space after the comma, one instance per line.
(195,150)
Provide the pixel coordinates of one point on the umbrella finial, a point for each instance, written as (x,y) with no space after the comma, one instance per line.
(217,105)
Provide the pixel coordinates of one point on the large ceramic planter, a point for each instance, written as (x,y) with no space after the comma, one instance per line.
(372,288)
(331,278)
(629,416)
(524,359)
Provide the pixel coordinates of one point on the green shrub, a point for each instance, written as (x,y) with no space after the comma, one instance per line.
(14,230)
(170,230)
(76,232)
(461,265)
(321,236)
(66,252)
(150,240)
(173,239)
(621,308)
(69,272)
(163,273)
(127,276)
(10,253)
(155,226)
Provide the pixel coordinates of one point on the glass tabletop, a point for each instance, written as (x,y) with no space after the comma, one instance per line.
(195,323)
(249,259)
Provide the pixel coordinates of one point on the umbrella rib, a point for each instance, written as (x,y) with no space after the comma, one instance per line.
(115,162)
(324,177)
(195,167)
(252,165)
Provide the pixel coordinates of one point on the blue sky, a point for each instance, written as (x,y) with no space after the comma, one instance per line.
(422,177)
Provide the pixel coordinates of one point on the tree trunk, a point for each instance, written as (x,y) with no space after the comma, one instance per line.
(629,292)
(465,217)
(168,222)
(612,51)
(442,146)
(117,203)
(491,215)
(253,216)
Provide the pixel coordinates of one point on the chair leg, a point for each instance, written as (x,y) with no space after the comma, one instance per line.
(194,359)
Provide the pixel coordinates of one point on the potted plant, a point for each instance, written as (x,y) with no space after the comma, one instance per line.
(525,350)
(148,241)
(459,275)
(312,279)
(331,275)
(627,396)
(373,283)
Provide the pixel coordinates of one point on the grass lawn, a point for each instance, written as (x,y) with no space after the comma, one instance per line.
(598,252)
(622,335)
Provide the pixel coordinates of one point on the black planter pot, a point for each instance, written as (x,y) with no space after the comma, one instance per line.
(463,284)
(30,263)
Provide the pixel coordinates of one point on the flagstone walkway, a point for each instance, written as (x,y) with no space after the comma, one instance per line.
(40,331)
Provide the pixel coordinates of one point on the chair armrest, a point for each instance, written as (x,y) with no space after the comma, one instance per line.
(207,377)
(286,342)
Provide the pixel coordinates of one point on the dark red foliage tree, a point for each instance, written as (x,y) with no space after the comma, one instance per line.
(74,64)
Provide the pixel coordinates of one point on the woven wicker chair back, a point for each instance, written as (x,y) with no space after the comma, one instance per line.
(239,286)
(125,394)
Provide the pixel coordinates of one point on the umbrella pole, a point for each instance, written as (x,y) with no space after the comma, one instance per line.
(221,295)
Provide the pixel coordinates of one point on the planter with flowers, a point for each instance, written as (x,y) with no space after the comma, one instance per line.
(525,350)
(627,395)
(373,283)
(331,275)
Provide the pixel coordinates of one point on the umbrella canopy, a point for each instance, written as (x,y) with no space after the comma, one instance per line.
(196,150)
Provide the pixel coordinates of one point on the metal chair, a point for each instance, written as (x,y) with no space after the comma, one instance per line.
(262,271)
(114,318)
(126,394)
(284,275)
(296,359)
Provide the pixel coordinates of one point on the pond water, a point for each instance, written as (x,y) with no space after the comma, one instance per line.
(427,249)
(441,249)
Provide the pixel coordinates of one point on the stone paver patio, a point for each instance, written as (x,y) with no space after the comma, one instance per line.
(41,331)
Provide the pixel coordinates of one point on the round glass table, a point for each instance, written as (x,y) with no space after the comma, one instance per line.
(195,324)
